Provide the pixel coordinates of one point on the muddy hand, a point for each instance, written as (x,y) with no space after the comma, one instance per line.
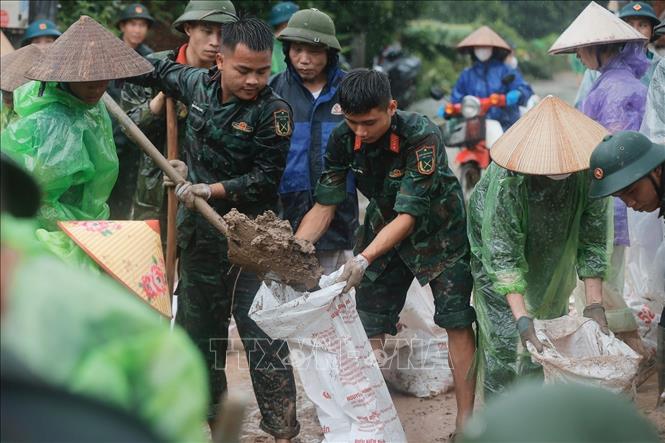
(528,333)
(354,269)
(182,170)
(187,193)
(596,312)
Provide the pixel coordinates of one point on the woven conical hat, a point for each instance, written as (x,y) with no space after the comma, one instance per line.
(13,66)
(130,252)
(594,26)
(484,37)
(88,52)
(552,138)
(5,46)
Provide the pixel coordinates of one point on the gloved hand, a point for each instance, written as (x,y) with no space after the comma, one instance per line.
(513,97)
(354,269)
(596,312)
(180,167)
(187,192)
(528,332)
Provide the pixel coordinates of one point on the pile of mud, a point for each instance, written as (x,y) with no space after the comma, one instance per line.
(266,246)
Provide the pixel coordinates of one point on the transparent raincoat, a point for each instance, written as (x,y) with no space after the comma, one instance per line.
(653,123)
(68,147)
(528,234)
(87,334)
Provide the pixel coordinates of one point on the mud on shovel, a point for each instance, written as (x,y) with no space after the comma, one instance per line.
(265,245)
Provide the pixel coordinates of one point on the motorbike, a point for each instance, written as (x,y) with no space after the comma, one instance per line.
(402,70)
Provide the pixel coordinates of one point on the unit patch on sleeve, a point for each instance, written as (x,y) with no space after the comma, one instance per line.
(282,122)
(425,159)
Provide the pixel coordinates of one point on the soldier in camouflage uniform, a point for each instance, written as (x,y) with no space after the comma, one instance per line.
(237,137)
(415,224)
(201,23)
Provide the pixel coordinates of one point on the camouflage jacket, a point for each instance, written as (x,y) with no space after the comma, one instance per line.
(406,171)
(242,144)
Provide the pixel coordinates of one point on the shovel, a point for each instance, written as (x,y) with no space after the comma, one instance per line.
(265,246)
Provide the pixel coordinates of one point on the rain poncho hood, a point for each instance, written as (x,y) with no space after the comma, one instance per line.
(68,147)
(85,333)
(527,234)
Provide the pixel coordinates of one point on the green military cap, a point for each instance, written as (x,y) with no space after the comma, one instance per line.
(639,9)
(214,11)
(622,159)
(282,12)
(135,10)
(40,28)
(311,26)
(573,413)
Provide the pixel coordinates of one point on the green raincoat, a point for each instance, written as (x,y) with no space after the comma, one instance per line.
(88,335)
(7,114)
(68,147)
(527,235)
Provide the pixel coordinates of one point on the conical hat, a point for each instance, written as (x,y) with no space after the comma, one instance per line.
(13,66)
(594,26)
(130,252)
(552,138)
(5,46)
(88,52)
(484,37)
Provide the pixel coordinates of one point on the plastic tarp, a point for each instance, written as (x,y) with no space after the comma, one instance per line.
(68,147)
(576,350)
(333,357)
(527,236)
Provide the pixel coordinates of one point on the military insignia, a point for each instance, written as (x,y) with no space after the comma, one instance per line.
(138,10)
(637,7)
(336,109)
(394,143)
(425,159)
(598,173)
(42,26)
(396,173)
(357,144)
(242,126)
(282,122)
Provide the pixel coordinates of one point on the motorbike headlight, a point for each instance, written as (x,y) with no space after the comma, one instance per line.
(470,106)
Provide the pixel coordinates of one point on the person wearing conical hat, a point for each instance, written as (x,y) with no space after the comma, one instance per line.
(13,67)
(531,226)
(278,19)
(139,194)
(63,136)
(40,31)
(237,135)
(617,101)
(641,16)
(484,77)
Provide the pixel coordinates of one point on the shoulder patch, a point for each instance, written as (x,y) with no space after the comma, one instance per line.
(282,122)
(425,159)
(336,109)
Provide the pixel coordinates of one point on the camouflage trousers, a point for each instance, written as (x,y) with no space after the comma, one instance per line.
(210,290)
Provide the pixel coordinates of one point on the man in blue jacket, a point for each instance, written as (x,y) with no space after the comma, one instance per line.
(310,86)
(489,75)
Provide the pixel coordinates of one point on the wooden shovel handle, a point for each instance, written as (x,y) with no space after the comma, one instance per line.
(172,202)
(146,145)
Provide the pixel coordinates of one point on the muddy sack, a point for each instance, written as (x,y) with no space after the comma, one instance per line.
(333,357)
(575,350)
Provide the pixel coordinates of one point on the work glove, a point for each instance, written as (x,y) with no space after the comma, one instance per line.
(513,97)
(528,333)
(180,167)
(354,269)
(188,192)
(596,312)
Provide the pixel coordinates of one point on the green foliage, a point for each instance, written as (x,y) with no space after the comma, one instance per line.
(105,12)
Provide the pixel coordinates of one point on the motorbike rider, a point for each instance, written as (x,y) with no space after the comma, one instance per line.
(486,75)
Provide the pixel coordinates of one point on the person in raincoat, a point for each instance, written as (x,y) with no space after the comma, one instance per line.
(531,224)
(642,17)
(40,31)
(653,122)
(88,335)
(63,136)
(616,101)
(489,75)
(13,67)
(280,14)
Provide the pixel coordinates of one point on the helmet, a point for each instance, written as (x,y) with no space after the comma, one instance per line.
(40,28)
(639,9)
(311,26)
(622,159)
(135,10)
(281,13)
(215,11)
